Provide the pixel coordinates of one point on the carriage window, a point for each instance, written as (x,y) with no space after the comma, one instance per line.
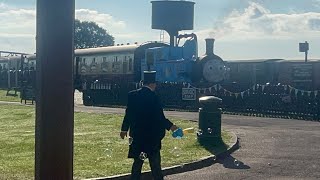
(130,64)
(125,67)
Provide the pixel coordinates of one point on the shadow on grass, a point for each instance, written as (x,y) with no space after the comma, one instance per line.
(213,145)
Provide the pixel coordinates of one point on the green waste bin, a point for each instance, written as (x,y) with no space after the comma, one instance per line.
(209,120)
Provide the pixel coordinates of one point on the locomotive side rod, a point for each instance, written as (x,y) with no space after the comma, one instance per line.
(54,90)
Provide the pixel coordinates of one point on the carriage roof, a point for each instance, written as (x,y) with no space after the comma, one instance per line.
(106,50)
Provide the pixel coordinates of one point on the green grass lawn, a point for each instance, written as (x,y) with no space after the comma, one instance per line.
(98,149)
(10,98)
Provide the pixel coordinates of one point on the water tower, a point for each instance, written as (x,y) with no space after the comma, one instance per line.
(172,16)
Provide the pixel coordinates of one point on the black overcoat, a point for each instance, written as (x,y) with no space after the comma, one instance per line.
(145,121)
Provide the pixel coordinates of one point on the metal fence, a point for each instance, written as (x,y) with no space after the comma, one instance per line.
(259,100)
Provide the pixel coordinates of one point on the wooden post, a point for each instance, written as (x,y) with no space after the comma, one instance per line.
(54,90)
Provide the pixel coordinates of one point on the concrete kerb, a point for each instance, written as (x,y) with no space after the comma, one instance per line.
(201,163)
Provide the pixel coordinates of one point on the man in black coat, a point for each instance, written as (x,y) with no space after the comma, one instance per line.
(147,123)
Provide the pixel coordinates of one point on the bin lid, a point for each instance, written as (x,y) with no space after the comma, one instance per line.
(210,100)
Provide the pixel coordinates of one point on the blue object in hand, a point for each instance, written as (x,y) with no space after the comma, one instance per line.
(177,133)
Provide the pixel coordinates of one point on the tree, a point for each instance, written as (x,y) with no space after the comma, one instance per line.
(90,35)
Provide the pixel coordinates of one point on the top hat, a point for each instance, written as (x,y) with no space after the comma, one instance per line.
(149,77)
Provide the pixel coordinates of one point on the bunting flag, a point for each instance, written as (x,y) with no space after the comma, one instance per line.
(285,87)
(242,94)
(225,92)
(210,89)
(263,86)
(296,91)
(315,93)
(290,89)
(237,94)
(215,87)
(254,87)
(309,92)
(189,85)
(220,87)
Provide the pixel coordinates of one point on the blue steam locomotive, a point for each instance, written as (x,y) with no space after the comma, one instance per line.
(101,70)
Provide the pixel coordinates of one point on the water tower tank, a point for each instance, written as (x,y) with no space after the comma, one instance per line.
(172,16)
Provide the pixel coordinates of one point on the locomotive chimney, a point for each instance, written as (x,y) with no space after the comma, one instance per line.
(209,46)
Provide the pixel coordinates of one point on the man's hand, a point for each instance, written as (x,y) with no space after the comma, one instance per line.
(123,134)
(173,128)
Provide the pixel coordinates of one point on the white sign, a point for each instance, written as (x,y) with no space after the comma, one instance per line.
(189,94)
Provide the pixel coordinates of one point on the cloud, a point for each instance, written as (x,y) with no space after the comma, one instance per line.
(106,21)
(257,22)
(18,26)
(3,6)
(16,22)
(17,30)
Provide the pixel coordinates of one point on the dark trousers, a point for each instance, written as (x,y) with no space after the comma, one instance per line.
(155,165)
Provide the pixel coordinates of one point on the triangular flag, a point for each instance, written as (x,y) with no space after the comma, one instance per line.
(215,87)
(290,89)
(315,93)
(309,92)
(254,87)
(220,87)
(237,94)
(189,85)
(263,86)
(296,91)
(242,94)
(285,87)
(210,89)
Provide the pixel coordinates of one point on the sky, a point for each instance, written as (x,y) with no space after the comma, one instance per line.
(243,29)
